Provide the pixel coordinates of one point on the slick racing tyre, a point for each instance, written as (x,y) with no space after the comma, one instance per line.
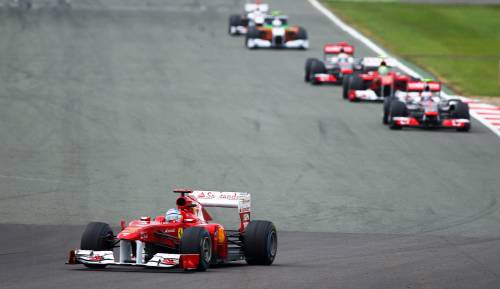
(345,86)
(397,109)
(307,75)
(317,66)
(234,21)
(355,83)
(253,33)
(97,237)
(302,33)
(196,240)
(461,110)
(260,243)
(387,107)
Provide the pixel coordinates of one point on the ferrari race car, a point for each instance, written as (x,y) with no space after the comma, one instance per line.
(371,84)
(275,33)
(254,15)
(421,105)
(185,238)
(337,62)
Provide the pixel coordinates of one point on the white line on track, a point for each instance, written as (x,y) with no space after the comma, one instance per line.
(406,69)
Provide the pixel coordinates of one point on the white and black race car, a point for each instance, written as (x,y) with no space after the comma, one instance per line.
(421,105)
(254,15)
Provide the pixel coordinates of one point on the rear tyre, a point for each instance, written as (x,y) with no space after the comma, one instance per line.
(97,237)
(196,240)
(317,66)
(397,109)
(260,242)
(302,33)
(307,75)
(461,110)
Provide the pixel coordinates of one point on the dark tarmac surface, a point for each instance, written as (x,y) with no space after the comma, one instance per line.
(106,106)
(306,260)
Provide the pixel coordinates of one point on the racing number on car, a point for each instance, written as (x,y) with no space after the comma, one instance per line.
(180,232)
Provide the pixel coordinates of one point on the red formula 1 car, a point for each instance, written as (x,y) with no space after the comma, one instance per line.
(337,62)
(185,238)
(421,105)
(371,85)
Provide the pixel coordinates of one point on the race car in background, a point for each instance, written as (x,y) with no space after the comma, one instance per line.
(276,33)
(371,84)
(421,105)
(337,62)
(184,238)
(254,15)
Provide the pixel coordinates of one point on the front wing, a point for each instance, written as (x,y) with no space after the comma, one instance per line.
(261,43)
(159,260)
(325,78)
(457,123)
(368,95)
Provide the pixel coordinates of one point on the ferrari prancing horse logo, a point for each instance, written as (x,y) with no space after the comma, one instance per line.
(180,232)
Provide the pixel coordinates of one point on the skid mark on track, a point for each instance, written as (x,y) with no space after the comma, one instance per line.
(257,125)
(322,129)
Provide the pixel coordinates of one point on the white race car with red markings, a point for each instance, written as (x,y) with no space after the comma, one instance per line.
(420,104)
(337,62)
(190,241)
(254,15)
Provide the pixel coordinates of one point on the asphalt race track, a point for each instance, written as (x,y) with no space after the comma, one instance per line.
(108,105)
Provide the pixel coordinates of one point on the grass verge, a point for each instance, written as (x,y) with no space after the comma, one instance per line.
(460,44)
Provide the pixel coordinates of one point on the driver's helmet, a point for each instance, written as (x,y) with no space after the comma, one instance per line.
(343,55)
(173,215)
(427,93)
(383,69)
(277,22)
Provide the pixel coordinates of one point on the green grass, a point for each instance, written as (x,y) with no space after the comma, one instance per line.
(460,44)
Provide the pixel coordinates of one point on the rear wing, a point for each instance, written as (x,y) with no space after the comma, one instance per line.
(252,7)
(376,61)
(240,200)
(433,86)
(340,47)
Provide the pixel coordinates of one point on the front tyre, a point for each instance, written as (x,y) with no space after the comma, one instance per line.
(461,111)
(307,75)
(234,21)
(196,240)
(252,34)
(387,107)
(260,242)
(97,237)
(317,67)
(397,109)
(346,83)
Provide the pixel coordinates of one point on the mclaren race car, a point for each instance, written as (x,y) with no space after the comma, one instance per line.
(337,62)
(275,33)
(183,238)
(254,15)
(421,105)
(376,81)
